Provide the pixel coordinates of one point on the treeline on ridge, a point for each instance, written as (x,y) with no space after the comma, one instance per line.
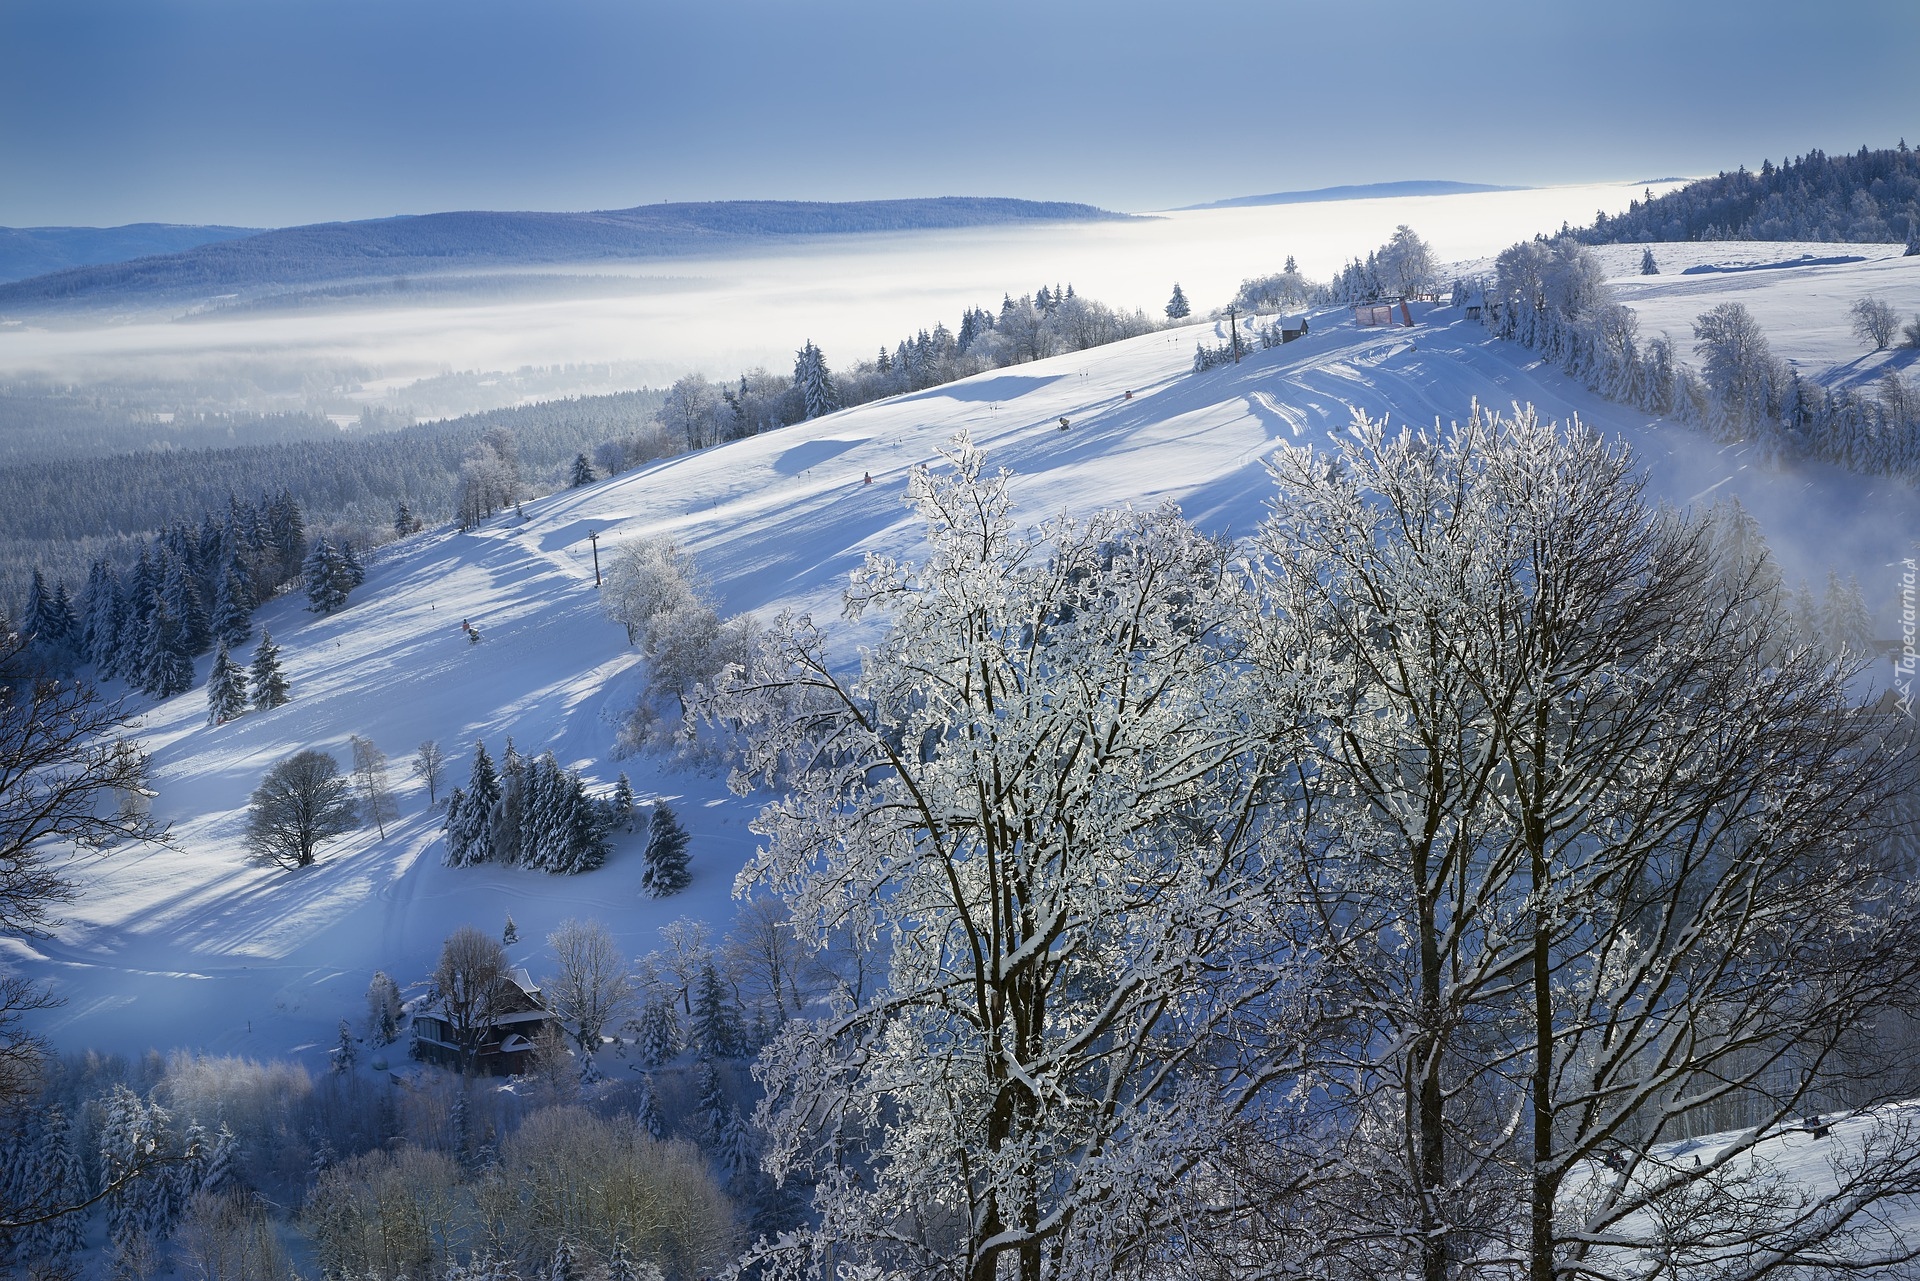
(1868,197)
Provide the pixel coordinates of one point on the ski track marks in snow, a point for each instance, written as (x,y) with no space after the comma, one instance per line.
(196,945)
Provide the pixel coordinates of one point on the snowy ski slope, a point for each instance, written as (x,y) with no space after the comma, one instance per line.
(197,946)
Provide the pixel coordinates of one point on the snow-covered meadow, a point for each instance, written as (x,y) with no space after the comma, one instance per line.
(196,945)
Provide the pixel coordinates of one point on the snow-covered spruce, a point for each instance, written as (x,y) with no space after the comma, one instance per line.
(530,814)
(667,854)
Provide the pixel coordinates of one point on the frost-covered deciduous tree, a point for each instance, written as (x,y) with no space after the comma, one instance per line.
(1405,263)
(1042,790)
(646,577)
(370,778)
(693,411)
(1736,364)
(1601,840)
(430,766)
(489,479)
(1875,321)
(591,988)
(466,984)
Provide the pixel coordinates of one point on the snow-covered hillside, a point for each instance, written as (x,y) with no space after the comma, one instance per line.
(196,945)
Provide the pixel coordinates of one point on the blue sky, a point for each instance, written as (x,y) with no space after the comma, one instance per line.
(269,112)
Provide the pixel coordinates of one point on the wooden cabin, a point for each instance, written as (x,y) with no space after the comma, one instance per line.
(514,1026)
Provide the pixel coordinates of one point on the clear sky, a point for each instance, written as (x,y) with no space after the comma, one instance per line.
(271,112)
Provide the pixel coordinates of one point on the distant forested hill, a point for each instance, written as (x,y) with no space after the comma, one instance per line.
(1362,191)
(35,251)
(1865,197)
(442,242)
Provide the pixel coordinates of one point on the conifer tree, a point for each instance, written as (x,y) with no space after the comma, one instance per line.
(1178,308)
(226,689)
(544,819)
(453,827)
(657,1032)
(717,1026)
(647,1111)
(352,572)
(469,822)
(136,601)
(1846,623)
(98,615)
(458,1128)
(383,1009)
(510,806)
(53,1172)
(622,805)
(232,610)
(587,828)
(269,685)
(564,1267)
(183,601)
(37,596)
(710,1113)
(815,383)
(736,1151)
(286,535)
(169,665)
(621,1265)
(327,576)
(666,854)
(346,1052)
(217,1172)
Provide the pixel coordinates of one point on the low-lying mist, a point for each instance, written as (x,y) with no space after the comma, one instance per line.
(604,327)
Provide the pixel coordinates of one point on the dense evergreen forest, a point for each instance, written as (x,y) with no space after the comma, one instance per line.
(60,515)
(38,426)
(1866,197)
